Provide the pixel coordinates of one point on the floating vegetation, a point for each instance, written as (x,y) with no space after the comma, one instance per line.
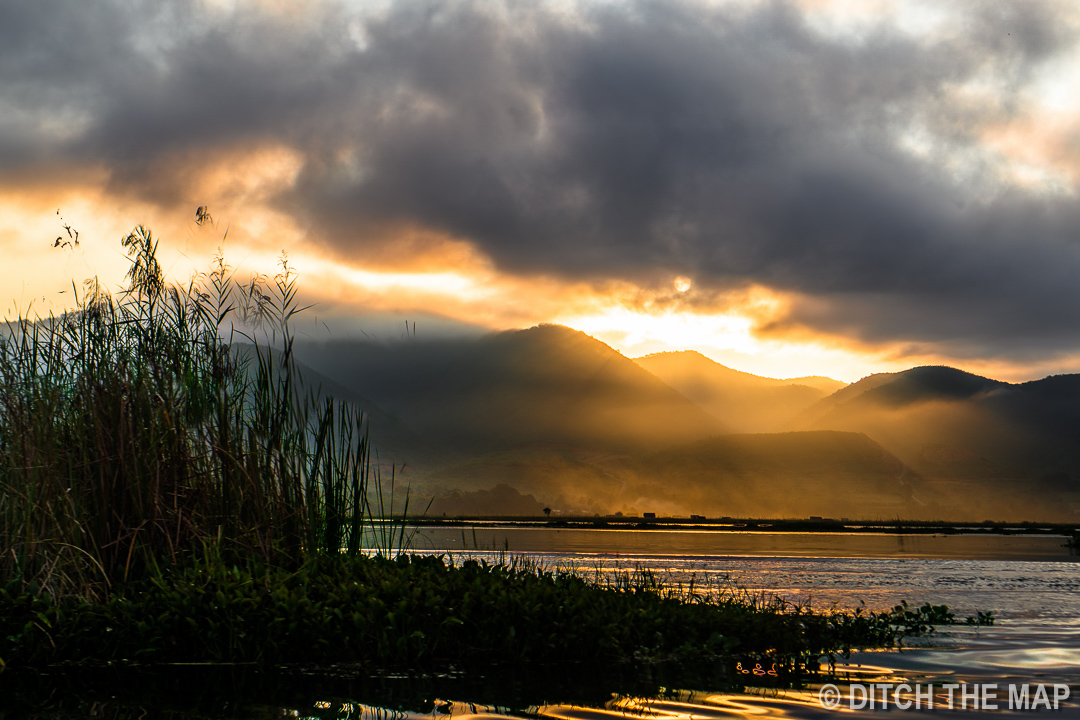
(375,613)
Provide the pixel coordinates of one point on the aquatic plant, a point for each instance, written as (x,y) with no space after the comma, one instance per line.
(427,613)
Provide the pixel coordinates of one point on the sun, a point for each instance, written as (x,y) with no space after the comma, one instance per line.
(682,283)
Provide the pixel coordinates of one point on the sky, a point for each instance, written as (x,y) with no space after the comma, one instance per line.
(792,188)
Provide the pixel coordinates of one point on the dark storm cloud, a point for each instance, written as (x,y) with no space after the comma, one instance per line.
(617,140)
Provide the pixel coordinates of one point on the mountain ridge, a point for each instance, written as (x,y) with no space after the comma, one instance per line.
(551,415)
(544,384)
(743,401)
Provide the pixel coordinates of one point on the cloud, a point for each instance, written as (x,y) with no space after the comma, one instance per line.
(738,144)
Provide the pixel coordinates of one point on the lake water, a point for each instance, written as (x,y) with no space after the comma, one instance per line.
(1031,577)
(1031,583)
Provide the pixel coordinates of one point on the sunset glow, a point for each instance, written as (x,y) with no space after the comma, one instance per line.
(499,199)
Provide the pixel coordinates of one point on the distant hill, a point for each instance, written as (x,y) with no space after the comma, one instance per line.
(797,474)
(744,402)
(920,384)
(973,439)
(501,499)
(832,474)
(922,414)
(547,384)
(551,417)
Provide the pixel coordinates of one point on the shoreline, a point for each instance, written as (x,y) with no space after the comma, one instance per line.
(811,525)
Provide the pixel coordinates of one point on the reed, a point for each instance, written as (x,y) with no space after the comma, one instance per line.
(138,429)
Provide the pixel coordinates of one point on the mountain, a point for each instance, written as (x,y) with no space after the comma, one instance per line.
(550,417)
(922,414)
(1008,448)
(916,385)
(744,402)
(545,385)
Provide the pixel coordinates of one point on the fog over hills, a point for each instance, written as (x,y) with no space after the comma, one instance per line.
(796,474)
(745,402)
(946,421)
(972,438)
(515,421)
(547,384)
(912,386)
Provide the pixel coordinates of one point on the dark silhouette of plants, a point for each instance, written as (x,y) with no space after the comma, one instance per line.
(138,429)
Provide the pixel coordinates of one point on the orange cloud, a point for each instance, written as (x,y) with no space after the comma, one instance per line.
(1041,150)
(745,327)
(408,268)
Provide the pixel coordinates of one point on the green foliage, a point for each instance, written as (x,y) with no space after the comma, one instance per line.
(922,620)
(132,434)
(422,612)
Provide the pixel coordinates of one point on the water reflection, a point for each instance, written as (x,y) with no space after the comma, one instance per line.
(933,693)
(986,656)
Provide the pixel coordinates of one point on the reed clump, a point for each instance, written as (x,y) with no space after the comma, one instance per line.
(133,433)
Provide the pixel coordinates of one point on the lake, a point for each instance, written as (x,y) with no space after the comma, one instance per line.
(1030,582)
(1009,574)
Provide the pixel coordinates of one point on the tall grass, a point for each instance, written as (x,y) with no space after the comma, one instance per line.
(134,430)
